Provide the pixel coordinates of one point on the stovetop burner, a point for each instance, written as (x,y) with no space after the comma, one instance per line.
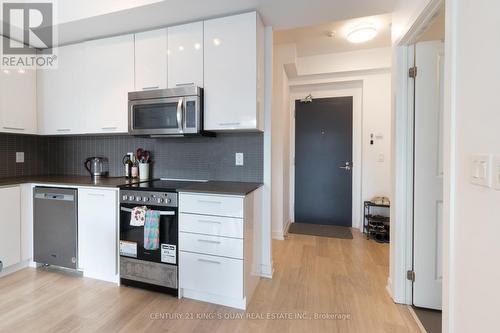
(162,185)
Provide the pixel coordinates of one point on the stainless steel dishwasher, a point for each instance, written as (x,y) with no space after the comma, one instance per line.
(55,226)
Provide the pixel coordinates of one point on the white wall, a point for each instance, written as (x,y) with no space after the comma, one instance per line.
(345,61)
(369,67)
(474,50)
(404,15)
(283,54)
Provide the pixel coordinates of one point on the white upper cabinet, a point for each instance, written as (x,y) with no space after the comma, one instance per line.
(109,78)
(233,67)
(17,100)
(185,55)
(151,60)
(60,93)
(87,92)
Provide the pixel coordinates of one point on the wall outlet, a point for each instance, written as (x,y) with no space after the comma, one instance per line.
(20,157)
(239,159)
(480,170)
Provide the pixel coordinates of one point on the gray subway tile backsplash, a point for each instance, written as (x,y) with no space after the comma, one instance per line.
(195,158)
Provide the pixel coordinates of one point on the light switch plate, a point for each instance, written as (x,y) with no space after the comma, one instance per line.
(20,157)
(481,170)
(239,159)
(495,172)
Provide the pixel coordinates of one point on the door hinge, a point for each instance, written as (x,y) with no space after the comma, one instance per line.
(412,72)
(410,275)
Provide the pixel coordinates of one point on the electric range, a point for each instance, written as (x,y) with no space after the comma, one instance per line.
(157,268)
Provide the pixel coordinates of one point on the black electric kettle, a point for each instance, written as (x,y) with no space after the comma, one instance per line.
(97,166)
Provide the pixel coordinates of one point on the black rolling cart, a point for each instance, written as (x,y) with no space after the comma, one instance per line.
(376,227)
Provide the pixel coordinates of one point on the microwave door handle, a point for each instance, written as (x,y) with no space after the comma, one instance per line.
(179,113)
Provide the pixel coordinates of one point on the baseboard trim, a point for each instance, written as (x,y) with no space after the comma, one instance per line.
(388,288)
(238,303)
(14,268)
(280,235)
(417,320)
(267,271)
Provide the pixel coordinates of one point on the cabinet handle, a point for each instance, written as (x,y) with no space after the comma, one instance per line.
(151,88)
(96,194)
(184,84)
(14,128)
(208,241)
(63,129)
(209,261)
(109,128)
(210,202)
(206,221)
(229,124)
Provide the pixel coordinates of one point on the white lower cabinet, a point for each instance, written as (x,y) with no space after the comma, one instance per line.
(26,222)
(98,233)
(212,275)
(10,226)
(219,247)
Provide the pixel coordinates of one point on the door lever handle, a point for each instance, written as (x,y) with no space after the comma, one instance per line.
(346,167)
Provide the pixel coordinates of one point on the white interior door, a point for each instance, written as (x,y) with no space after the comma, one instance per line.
(428,196)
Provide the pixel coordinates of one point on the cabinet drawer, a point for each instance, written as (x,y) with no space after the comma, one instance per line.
(211,205)
(211,225)
(213,275)
(213,245)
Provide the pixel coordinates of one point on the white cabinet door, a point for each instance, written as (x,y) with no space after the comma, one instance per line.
(61,94)
(109,77)
(26,222)
(98,233)
(151,60)
(18,100)
(185,55)
(231,67)
(10,226)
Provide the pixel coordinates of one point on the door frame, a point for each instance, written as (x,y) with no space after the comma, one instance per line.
(352,89)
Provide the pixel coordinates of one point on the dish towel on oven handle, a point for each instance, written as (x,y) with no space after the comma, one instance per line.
(138,216)
(152,230)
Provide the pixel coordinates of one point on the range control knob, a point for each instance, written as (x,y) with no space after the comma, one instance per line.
(160,200)
(169,200)
(125,198)
(145,199)
(138,199)
(131,198)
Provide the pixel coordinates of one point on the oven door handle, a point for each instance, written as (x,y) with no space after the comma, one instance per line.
(163,213)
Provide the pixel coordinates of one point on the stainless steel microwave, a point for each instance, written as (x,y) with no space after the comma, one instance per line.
(166,112)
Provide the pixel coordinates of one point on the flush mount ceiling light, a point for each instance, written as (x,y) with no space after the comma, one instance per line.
(361,33)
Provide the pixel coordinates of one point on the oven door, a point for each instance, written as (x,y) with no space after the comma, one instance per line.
(132,237)
(158,116)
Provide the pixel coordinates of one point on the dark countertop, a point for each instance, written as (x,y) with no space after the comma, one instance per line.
(213,187)
(222,187)
(68,180)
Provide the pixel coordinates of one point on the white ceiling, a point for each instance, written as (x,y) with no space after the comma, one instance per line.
(90,19)
(315,40)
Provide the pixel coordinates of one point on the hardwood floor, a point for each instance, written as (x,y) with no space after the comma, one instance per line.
(332,277)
